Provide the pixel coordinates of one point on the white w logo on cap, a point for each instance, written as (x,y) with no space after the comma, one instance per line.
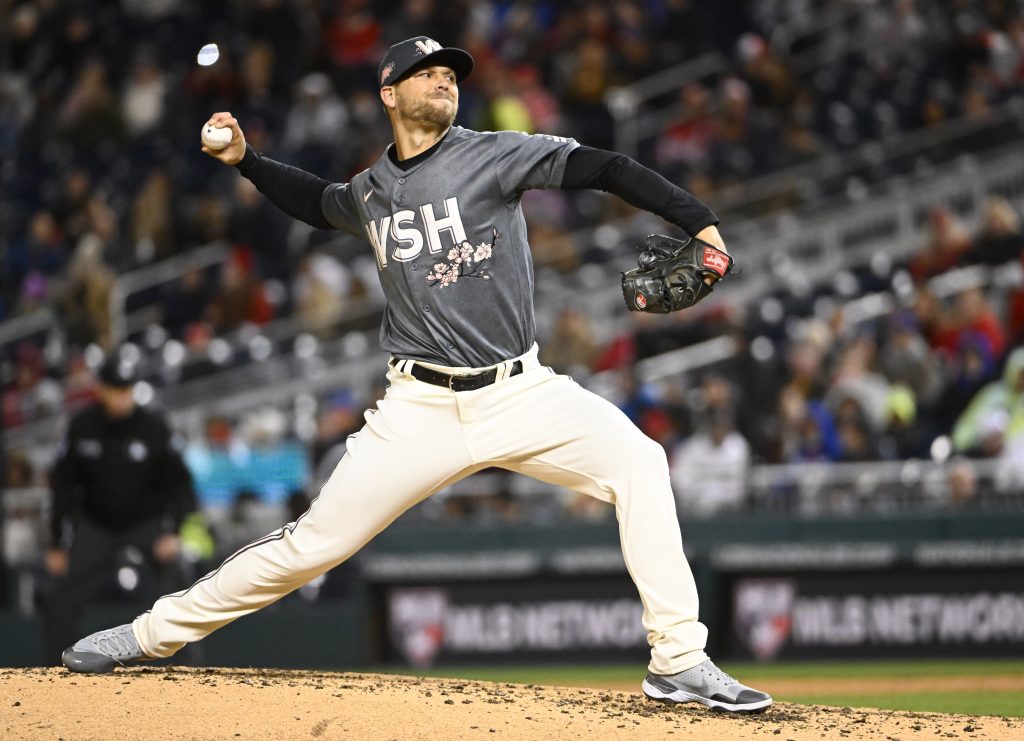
(429,46)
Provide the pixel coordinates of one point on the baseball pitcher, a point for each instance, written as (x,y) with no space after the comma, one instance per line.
(441,211)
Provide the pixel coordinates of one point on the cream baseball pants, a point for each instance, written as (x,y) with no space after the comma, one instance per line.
(422,438)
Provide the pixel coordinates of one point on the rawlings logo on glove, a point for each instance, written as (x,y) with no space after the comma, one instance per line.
(673,274)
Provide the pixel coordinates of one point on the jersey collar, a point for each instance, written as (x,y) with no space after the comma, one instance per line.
(408,164)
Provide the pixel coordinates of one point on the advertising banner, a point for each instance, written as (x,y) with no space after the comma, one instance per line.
(892,614)
(514,622)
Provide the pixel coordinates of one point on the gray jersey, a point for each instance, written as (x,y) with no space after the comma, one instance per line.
(451,246)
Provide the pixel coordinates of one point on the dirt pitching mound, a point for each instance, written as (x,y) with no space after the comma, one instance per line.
(185,703)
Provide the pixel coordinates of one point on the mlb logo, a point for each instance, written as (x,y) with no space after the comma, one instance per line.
(416,623)
(763,614)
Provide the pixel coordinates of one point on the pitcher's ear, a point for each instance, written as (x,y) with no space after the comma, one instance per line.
(387,96)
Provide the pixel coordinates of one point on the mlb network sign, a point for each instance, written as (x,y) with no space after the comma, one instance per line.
(431,624)
(795,617)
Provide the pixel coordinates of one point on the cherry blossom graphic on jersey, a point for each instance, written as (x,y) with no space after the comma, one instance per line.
(464,261)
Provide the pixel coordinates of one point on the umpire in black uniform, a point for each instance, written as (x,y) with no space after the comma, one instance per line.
(118,482)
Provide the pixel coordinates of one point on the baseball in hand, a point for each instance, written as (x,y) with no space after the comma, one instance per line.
(216,138)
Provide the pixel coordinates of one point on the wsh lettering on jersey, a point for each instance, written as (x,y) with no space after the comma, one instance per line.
(410,229)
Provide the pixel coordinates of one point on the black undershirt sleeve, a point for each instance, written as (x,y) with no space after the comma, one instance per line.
(296,192)
(637,185)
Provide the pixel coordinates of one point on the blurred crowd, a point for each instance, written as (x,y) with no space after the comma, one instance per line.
(101,103)
(934,373)
(100,109)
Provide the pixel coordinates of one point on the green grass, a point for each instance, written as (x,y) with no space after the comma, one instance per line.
(1001,702)
(882,669)
(969,702)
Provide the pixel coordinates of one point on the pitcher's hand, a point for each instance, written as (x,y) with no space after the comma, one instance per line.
(231,154)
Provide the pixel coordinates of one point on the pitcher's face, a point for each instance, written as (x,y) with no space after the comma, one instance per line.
(429,95)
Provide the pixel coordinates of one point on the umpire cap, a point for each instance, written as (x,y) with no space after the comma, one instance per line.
(118,372)
(421,51)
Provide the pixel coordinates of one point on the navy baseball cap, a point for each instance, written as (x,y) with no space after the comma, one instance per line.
(421,51)
(119,373)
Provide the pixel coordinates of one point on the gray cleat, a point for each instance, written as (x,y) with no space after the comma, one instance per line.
(708,685)
(101,652)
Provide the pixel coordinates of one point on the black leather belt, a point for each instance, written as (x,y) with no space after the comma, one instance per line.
(456,382)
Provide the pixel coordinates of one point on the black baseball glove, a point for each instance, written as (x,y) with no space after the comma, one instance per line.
(672,274)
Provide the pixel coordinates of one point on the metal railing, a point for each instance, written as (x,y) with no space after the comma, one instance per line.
(894,158)
(890,222)
(829,489)
(25,325)
(45,319)
(834,37)
(154,275)
(632,122)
